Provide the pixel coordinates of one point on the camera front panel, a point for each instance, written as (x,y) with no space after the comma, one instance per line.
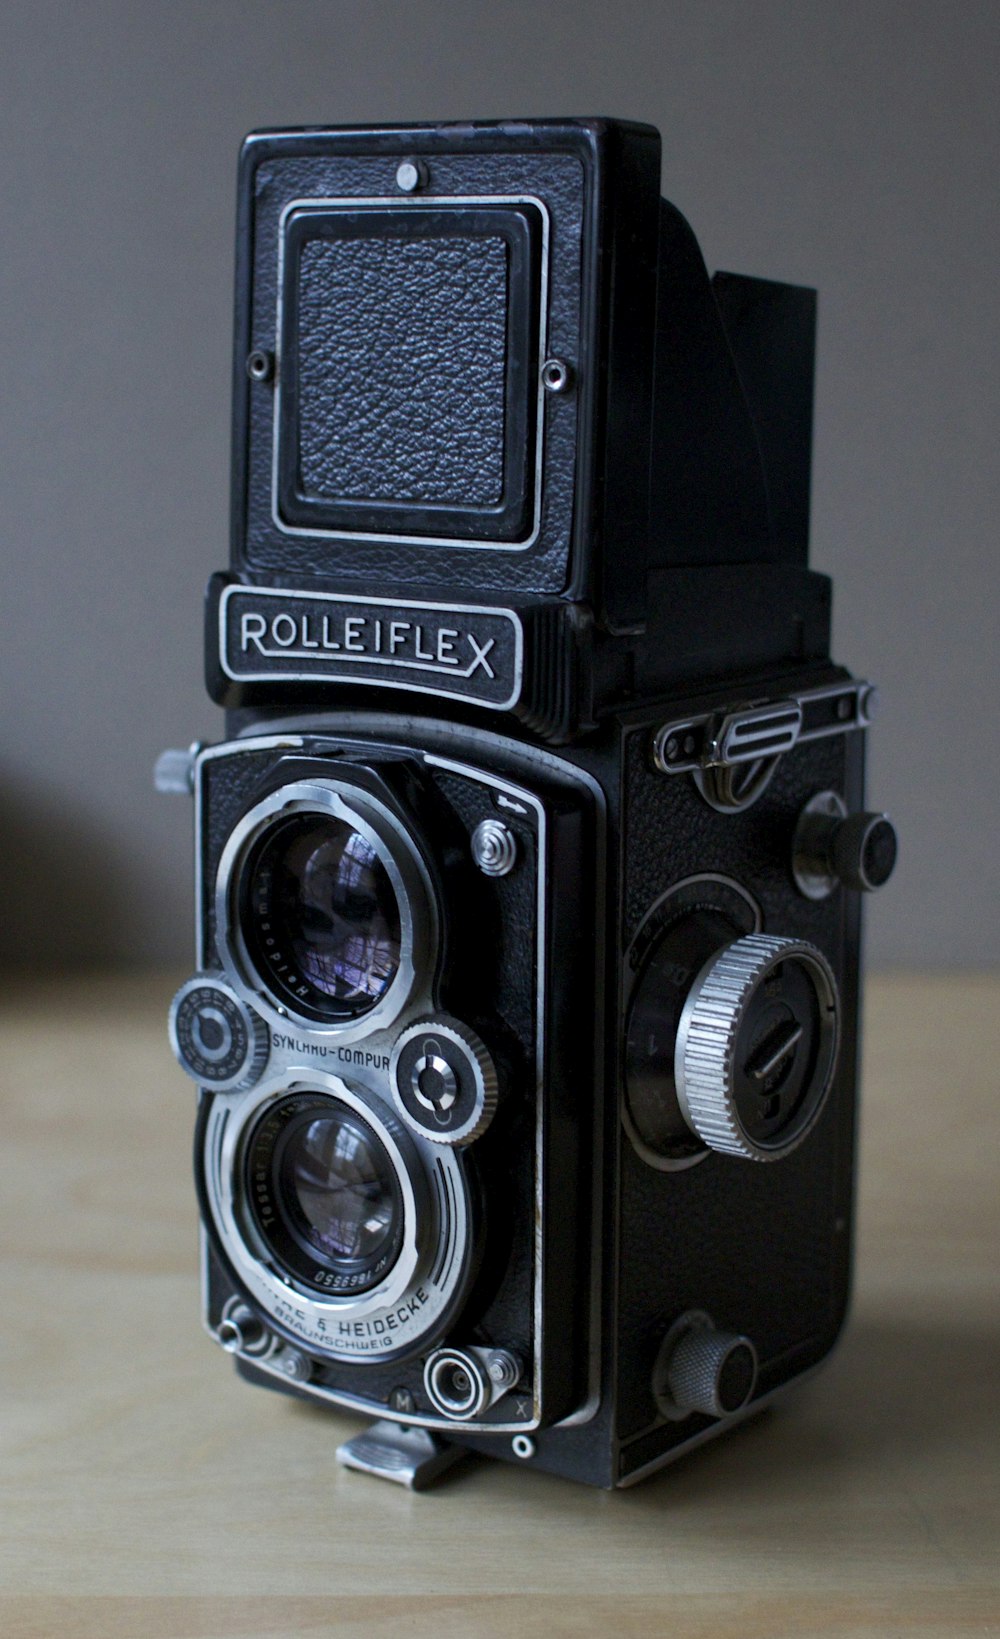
(383,1204)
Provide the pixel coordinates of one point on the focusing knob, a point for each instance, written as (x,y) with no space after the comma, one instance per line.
(217,1039)
(443,1081)
(701,1369)
(756,1046)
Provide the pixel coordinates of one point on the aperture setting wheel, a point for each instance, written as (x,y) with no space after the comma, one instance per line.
(756,1046)
(443,1081)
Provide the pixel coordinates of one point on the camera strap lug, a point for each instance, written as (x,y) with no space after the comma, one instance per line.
(173,773)
(413,1457)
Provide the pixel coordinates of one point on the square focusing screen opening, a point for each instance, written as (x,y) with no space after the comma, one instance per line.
(408,377)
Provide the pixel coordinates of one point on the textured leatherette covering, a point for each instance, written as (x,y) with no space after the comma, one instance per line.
(762,1247)
(375,316)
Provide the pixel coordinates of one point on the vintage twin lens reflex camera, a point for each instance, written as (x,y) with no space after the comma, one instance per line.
(529,874)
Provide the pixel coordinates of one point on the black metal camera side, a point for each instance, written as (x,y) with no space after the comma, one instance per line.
(528,878)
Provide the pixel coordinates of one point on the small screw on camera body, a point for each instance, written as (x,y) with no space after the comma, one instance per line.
(260,364)
(557,376)
(411,176)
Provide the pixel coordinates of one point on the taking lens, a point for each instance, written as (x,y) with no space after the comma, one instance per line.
(324,1194)
(320,917)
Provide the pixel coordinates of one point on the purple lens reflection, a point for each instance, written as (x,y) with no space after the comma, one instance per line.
(325,918)
(338,1183)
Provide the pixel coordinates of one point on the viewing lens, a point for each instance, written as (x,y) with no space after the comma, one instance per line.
(321,918)
(324,1194)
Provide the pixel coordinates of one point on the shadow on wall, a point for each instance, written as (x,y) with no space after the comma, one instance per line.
(64,890)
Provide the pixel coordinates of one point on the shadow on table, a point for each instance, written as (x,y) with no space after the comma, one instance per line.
(898,1388)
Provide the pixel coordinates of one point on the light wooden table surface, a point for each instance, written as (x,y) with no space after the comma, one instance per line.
(148,1492)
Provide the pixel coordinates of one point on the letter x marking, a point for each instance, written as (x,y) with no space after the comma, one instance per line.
(480,651)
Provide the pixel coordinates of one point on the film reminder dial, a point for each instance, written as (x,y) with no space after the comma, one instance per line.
(324,1194)
(320,916)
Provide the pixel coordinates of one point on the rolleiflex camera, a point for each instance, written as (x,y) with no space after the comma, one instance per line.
(525,1018)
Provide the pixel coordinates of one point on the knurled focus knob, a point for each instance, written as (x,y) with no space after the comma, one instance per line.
(217,1039)
(756,1046)
(699,1368)
(832,846)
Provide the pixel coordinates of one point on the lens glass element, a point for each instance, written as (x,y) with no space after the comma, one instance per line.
(324,1194)
(320,916)
(336,1188)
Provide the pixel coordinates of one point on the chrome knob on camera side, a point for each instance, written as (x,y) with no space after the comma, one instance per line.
(702,1369)
(834,848)
(756,1046)
(732,1041)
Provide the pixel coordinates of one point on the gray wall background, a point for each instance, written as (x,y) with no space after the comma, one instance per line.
(851,146)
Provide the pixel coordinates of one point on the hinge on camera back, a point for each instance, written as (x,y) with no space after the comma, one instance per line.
(732,753)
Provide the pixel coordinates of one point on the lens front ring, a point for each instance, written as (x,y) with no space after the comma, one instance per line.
(324,908)
(416,1296)
(323,1194)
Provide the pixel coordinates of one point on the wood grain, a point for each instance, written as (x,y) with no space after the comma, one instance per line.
(145,1491)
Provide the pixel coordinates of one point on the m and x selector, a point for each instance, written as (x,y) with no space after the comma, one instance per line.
(443,1081)
(217,1040)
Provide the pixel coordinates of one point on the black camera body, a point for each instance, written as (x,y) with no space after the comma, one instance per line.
(528,878)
